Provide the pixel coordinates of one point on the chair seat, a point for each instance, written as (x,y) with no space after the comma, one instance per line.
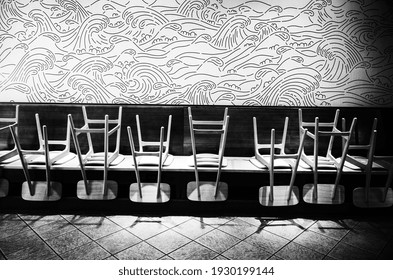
(41,158)
(207,190)
(41,191)
(363,161)
(324,194)
(4,186)
(280,163)
(98,159)
(153,160)
(8,160)
(95,189)
(149,193)
(280,196)
(375,198)
(323,162)
(207,160)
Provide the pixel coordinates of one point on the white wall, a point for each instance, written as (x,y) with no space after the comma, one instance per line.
(291,53)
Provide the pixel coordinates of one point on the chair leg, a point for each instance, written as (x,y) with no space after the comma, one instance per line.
(217,182)
(387,185)
(315,169)
(315,190)
(291,184)
(23,161)
(160,163)
(367,187)
(271,174)
(106,137)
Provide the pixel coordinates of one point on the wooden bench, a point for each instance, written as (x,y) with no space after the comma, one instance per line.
(243,177)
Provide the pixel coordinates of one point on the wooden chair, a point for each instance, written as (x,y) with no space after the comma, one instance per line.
(274,195)
(325,193)
(206,190)
(44,190)
(8,155)
(146,158)
(38,190)
(56,156)
(367,196)
(149,192)
(97,189)
(5,124)
(379,197)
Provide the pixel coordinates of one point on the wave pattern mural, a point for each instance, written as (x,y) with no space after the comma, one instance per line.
(201,52)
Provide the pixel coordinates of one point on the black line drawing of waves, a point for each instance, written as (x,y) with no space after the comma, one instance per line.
(143,23)
(9,10)
(295,87)
(89,38)
(199,93)
(81,14)
(36,60)
(147,82)
(28,73)
(341,56)
(232,33)
(192,8)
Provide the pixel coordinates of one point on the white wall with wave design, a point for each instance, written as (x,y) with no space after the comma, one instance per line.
(202,52)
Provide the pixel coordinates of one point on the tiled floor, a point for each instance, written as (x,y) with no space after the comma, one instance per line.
(179,237)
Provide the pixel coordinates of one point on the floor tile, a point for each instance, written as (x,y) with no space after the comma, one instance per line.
(344,251)
(168,241)
(315,241)
(387,251)
(367,240)
(11,225)
(255,221)
(104,228)
(246,251)
(20,241)
(374,223)
(38,251)
(193,251)
(333,229)
(88,251)
(54,229)
(83,220)
(140,251)
(123,220)
(220,258)
(166,258)
(217,240)
(214,221)
(275,258)
(293,251)
(146,228)
(23,236)
(285,228)
(40,220)
(193,228)
(8,216)
(172,221)
(267,241)
(302,222)
(238,228)
(2,255)
(382,227)
(68,241)
(118,241)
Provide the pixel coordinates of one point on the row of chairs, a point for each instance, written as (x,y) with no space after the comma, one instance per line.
(318,193)
(197,190)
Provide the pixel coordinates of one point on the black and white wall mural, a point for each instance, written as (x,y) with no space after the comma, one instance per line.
(203,52)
